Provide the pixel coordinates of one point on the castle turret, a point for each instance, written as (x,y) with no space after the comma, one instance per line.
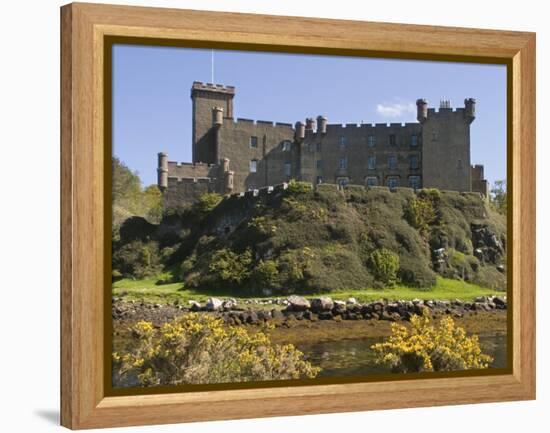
(227,176)
(421,110)
(321,125)
(162,171)
(217,116)
(300,131)
(470,109)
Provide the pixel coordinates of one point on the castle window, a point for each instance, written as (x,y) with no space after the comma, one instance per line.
(311,147)
(393,140)
(371,141)
(392,162)
(413,159)
(318,147)
(372,181)
(434,136)
(288,169)
(253,142)
(343,141)
(371,162)
(414,140)
(344,163)
(392,182)
(414,182)
(319,164)
(253,166)
(286,145)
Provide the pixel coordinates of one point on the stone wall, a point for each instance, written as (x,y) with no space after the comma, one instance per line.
(352,142)
(235,144)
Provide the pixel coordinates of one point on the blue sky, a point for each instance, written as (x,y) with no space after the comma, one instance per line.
(152,104)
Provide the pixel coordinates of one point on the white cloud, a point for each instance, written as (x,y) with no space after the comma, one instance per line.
(396,109)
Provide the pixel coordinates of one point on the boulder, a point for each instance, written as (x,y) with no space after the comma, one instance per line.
(325,315)
(351,301)
(229,304)
(321,304)
(263,315)
(251,318)
(194,305)
(298,303)
(277,314)
(499,302)
(213,304)
(339,307)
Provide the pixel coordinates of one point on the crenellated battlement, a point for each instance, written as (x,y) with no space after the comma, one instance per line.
(370,126)
(190,164)
(211,87)
(245,121)
(190,180)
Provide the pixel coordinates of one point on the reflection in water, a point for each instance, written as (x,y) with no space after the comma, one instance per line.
(355,357)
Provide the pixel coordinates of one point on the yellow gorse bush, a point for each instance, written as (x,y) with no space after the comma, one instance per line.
(199,349)
(425,347)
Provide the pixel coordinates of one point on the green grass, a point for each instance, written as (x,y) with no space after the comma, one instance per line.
(445,289)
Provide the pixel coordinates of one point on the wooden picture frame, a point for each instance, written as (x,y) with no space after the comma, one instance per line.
(84,30)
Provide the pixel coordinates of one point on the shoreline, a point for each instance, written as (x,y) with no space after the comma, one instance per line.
(305,327)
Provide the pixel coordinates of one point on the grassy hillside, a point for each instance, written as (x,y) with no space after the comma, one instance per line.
(302,240)
(149,291)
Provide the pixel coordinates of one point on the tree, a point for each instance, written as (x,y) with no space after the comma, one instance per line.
(129,199)
(498,197)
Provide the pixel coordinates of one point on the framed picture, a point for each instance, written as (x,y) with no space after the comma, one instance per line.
(265,216)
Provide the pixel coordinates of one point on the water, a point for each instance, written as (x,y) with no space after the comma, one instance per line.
(355,357)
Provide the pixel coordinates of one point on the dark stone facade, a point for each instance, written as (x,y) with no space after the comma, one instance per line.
(236,155)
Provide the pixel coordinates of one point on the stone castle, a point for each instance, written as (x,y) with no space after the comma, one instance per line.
(236,155)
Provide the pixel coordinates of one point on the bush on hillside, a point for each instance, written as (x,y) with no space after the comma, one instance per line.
(384,265)
(228,267)
(208,202)
(137,259)
(421,211)
(299,187)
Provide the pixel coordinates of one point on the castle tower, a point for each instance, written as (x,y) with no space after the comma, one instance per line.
(210,102)
(446,146)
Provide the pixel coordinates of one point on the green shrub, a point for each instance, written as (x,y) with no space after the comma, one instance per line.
(208,201)
(265,275)
(298,187)
(425,347)
(262,226)
(138,259)
(199,349)
(293,266)
(415,273)
(421,213)
(229,267)
(384,265)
